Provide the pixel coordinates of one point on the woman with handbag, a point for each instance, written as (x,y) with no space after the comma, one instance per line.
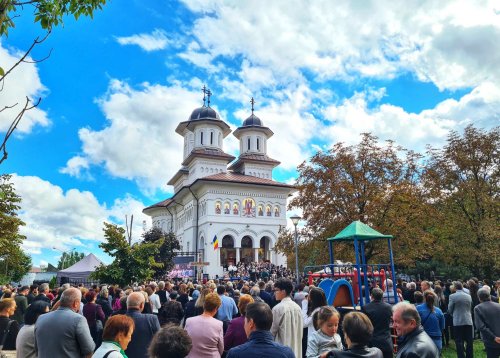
(95,317)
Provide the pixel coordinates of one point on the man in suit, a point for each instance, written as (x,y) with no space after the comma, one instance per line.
(146,325)
(63,332)
(43,289)
(21,304)
(460,307)
(32,294)
(487,322)
(380,314)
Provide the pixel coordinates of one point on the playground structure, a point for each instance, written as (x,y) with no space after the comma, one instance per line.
(349,284)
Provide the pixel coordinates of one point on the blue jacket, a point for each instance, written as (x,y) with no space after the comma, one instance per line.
(261,344)
(146,325)
(433,322)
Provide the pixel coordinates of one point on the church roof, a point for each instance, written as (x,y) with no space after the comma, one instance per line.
(203,113)
(253,120)
(229,177)
(233,177)
(253,158)
(212,153)
(161,204)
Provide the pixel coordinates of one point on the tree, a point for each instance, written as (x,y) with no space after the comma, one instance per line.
(69,259)
(132,263)
(377,184)
(167,250)
(463,181)
(48,13)
(14,263)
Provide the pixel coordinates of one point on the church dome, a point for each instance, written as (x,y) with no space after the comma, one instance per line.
(204,113)
(253,120)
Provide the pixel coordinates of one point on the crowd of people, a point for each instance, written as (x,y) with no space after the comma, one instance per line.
(263,270)
(260,316)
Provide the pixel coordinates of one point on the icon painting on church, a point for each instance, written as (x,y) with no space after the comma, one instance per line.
(261,211)
(276,211)
(236,209)
(249,208)
(218,207)
(268,210)
(226,208)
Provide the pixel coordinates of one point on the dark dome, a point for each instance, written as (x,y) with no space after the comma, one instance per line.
(204,113)
(253,120)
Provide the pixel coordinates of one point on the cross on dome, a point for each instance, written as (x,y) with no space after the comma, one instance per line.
(252,101)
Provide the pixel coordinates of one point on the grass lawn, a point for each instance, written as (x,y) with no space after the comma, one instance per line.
(451,351)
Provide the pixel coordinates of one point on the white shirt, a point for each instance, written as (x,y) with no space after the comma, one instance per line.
(154,299)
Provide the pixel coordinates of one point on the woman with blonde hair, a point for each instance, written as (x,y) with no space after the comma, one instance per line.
(206,331)
(235,334)
(198,306)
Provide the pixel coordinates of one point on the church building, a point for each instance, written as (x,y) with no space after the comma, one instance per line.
(224,209)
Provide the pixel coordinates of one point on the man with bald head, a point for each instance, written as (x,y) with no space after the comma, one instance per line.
(146,325)
(64,332)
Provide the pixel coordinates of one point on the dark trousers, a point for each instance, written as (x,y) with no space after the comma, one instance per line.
(463,334)
(492,352)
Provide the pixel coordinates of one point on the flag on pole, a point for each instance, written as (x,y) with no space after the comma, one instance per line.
(215,242)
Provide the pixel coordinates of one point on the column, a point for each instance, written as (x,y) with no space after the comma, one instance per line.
(256,255)
(237,255)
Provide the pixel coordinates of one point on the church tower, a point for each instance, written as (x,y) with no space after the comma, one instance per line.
(253,159)
(204,134)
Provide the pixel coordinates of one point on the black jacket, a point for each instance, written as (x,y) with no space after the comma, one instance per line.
(380,314)
(106,307)
(417,344)
(357,351)
(146,325)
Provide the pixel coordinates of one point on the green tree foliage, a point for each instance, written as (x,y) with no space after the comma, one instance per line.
(377,184)
(463,180)
(14,263)
(167,250)
(69,259)
(135,263)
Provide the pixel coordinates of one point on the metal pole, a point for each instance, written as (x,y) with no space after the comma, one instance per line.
(296,256)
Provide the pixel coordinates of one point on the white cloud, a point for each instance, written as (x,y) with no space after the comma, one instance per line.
(140,142)
(353,116)
(24,81)
(454,44)
(155,41)
(55,218)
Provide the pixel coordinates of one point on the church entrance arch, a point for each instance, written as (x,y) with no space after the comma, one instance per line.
(264,251)
(227,251)
(246,249)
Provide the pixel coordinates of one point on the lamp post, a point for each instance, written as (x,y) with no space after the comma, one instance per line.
(295,220)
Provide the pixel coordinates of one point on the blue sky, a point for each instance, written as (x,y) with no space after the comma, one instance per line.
(102,145)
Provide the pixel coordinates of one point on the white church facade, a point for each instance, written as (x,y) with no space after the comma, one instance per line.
(218,197)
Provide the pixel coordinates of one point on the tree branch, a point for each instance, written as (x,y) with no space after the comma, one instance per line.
(13,126)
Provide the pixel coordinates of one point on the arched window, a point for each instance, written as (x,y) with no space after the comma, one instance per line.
(211,138)
(248,142)
(201,138)
(258,144)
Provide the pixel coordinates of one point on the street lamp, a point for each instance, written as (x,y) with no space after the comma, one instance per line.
(295,220)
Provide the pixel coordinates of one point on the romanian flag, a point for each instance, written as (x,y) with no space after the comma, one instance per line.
(215,242)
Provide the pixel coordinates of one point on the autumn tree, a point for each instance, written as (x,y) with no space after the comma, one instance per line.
(14,263)
(69,259)
(132,263)
(48,13)
(377,184)
(170,245)
(463,181)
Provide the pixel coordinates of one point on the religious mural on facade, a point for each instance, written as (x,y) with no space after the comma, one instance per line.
(248,208)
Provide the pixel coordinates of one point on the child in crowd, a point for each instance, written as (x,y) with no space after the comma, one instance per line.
(325,338)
